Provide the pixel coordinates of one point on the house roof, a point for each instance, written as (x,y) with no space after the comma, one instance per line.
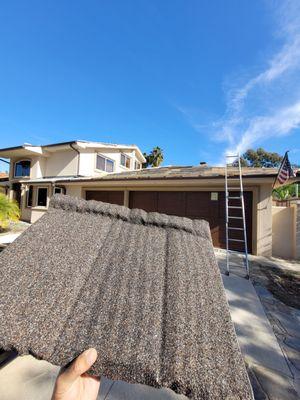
(3,179)
(144,289)
(170,172)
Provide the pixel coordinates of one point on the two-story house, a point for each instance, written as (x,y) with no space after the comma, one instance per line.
(37,172)
(113,174)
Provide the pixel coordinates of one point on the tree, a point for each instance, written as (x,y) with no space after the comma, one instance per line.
(260,158)
(154,158)
(9,211)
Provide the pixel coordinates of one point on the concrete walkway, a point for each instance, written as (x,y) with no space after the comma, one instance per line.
(268,331)
(269,372)
(9,238)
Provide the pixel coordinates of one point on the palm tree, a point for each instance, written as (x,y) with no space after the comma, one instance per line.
(154,158)
(9,211)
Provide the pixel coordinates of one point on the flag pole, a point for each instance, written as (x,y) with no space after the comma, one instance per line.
(281,164)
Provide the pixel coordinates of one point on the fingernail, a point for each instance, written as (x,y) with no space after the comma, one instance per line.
(91,355)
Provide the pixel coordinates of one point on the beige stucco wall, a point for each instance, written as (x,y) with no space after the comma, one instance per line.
(286,231)
(297,230)
(264,220)
(38,167)
(284,219)
(75,191)
(62,163)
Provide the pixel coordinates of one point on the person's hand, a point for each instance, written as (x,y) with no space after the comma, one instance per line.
(74,383)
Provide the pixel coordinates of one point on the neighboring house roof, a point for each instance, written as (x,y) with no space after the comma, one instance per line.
(144,289)
(29,149)
(3,176)
(3,179)
(171,172)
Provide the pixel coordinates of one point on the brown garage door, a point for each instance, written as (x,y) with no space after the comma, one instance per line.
(198,205)
(107,196)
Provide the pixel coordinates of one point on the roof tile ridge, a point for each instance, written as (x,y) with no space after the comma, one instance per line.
(135,215)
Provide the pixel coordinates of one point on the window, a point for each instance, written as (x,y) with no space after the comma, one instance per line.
(22,168)
(42,195)
(29,196)
(137,165)
(104,164)
(59,190)
(125,161)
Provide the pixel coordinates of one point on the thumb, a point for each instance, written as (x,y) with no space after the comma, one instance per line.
(78,367)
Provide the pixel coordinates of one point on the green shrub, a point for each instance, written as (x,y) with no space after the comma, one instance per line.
(9,211)
(285,192)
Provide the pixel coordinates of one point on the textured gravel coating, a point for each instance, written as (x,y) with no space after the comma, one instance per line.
(142,288)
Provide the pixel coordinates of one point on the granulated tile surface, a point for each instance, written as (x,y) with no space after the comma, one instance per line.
(142,288)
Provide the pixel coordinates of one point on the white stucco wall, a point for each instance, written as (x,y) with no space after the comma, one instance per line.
(86,162)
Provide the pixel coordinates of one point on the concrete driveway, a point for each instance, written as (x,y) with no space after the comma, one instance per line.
(271,376)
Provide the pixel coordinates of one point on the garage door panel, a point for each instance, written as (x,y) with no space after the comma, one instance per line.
(197,202)
(199,205)
(172,203)
(145,200)
(107,196)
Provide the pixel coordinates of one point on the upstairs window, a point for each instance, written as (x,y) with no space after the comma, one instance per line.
(104,163)
(137,165)
(22,169)
(125,161)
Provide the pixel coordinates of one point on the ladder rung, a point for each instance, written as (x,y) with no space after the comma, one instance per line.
(234,198)
(235,229)
(229,178)
(236,240)
(234,207)
(235,217)
(235,188)
(233,156)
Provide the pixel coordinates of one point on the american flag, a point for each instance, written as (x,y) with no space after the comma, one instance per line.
(285,171)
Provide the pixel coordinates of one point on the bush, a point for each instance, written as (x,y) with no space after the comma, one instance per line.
(285,192)
(9,211)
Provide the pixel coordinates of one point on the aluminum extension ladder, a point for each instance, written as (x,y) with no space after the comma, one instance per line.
(231,217)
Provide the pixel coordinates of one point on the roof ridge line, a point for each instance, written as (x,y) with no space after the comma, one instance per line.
(137,216)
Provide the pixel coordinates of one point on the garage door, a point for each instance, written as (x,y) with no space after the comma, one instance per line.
(198,205)
(107,196)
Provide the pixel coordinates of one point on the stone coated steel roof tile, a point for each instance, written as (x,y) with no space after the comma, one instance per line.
(142,288)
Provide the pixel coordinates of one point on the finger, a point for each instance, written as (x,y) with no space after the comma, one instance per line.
(81,365)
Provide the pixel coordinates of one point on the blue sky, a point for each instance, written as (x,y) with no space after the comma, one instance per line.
(197,78)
